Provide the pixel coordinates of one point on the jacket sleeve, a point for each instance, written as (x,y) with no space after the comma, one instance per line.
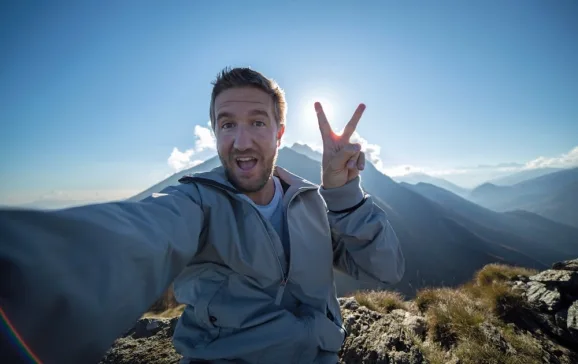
(73,280)
(365,245)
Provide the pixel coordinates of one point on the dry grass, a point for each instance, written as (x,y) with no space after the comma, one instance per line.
(432,351)
(430,296)
(525,345)
(168,313)
(454,317)
(500,273)
(479,352)
(380,301)
(489,286)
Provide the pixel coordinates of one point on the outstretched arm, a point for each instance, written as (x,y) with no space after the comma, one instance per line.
(73,280)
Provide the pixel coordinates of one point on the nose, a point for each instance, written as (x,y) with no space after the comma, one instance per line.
(243,139)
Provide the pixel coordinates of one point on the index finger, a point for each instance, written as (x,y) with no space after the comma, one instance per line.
(352,124)
(324,126)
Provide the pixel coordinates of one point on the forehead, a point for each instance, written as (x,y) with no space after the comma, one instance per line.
(243,99)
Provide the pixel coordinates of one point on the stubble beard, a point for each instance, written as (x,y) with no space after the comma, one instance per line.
(245,186)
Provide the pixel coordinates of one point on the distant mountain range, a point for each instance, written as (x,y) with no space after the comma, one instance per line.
(445,237)
(415,178)
(554,195)
(522,176)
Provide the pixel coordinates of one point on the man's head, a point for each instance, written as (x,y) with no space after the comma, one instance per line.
(248,117)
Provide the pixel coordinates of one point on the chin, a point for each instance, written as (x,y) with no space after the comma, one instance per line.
(247,184)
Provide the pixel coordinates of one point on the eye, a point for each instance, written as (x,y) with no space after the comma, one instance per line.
(259,123)
(227,125)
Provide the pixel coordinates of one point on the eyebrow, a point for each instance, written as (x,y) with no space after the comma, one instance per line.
(259,112)
(224,114)
(255,112)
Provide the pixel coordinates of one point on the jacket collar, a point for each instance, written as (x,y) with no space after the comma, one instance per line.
(217,175)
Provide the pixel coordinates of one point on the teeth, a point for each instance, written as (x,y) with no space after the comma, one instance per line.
(245,159)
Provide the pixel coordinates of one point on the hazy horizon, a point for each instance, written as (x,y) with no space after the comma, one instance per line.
(100,102)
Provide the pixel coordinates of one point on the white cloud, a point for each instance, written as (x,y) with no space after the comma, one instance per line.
(466,176)
(179,161)
(204,140)
(372,151)
(565,160)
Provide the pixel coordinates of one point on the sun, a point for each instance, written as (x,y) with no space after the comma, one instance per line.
(307,125)
(308,108)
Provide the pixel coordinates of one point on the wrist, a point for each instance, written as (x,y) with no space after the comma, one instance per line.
(342,197)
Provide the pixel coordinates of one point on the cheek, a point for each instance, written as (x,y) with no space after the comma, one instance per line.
(224,144)
(267,140)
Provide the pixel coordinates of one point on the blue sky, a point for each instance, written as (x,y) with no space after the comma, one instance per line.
(95,96)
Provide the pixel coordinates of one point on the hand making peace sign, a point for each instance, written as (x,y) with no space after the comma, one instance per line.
(342,160)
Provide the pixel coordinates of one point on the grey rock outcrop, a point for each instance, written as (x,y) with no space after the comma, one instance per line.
(553,300)
(549,314)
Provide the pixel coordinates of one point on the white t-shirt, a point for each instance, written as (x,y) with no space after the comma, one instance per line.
(268,210)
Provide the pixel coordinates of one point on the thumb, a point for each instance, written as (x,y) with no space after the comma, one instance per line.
(346,153)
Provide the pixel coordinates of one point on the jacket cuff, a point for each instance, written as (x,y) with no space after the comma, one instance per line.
(344,197)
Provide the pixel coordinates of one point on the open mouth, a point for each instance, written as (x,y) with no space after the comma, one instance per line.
(246,163)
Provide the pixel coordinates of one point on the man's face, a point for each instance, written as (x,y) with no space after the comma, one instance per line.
(247,136)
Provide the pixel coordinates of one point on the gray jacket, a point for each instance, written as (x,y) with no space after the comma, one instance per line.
(75,279)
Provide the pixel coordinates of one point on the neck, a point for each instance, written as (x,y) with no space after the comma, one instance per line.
(265,194)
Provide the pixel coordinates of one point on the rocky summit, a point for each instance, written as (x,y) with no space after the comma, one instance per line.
(504,315)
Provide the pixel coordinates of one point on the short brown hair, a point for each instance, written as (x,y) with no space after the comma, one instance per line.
(246,77)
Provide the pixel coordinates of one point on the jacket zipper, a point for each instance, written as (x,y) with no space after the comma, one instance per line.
(285,278)
(281,289)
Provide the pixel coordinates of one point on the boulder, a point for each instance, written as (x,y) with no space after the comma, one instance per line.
(566,279)
(567,265)
(544,299)
(572,318)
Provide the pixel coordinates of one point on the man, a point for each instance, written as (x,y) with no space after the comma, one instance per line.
(250,247)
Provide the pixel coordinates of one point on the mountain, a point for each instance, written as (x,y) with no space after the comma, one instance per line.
(547,239)
(553,195)
(562,206)
(521,176)
(415,178)
(441,247)
(207,165)
(307,151)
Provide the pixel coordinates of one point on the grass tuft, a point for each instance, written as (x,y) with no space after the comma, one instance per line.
(381,301)
(168,313)
(492,273)
(454,319)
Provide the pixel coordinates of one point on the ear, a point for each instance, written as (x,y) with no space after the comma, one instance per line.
(280,132)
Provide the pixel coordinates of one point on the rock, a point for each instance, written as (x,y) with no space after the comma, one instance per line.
(415,325)
(572,317)
(567,265)
(547,322)
(559,278)
(543,298)
(148,327)
(149,341)
(385,341)
(349,303)
(560,318)
(494,336)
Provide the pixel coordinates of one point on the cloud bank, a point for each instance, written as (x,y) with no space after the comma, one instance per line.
(565,160)
(467,176)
